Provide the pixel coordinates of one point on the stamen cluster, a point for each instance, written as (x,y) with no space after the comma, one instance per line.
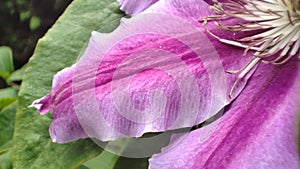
(278,22)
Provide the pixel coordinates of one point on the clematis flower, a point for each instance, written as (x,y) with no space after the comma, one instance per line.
(258,129)
(115,90)
(149,78)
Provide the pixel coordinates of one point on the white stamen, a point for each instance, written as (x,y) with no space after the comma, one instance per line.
(278,22)
(244,72)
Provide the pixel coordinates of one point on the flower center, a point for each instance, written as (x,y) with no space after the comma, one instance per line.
(278,24)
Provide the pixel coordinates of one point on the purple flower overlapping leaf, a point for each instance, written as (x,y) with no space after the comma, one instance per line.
(258,129)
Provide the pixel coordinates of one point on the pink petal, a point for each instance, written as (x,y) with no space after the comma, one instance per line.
(133,7)
(146,76)
(193,11)
(257,131)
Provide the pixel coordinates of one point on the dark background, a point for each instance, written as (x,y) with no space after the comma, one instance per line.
(23,22)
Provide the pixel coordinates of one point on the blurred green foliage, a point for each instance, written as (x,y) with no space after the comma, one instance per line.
(8,105)
(10,77)
(23,22)
(6,62)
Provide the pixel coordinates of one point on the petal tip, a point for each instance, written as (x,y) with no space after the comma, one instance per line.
(94,33)
(54,140)
(43,105)
(35,104)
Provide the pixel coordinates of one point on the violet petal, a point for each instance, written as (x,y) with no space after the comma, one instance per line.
(133,7)
(257,131)
(114,76)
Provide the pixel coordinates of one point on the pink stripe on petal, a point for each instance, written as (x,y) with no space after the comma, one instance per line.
(257,131)
(193,11)
(146,76)
(154,78)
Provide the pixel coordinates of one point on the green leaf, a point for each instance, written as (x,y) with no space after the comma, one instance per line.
(5,160)
(34,23)
(24,15)
(17,75)
(7,122)
(58,49)
(6,61)
(107,160)
(132,163)
(7,96)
